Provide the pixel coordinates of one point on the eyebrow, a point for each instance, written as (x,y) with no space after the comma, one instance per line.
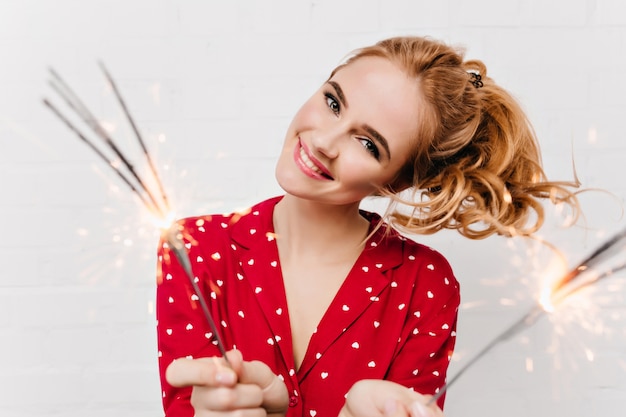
(373,132)
(378,138)
(340,95)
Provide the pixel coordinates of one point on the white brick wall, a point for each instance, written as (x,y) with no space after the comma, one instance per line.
(213,85)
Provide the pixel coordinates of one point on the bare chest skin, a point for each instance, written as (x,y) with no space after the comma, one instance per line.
(311,283)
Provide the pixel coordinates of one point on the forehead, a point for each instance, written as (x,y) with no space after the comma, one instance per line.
(381,94)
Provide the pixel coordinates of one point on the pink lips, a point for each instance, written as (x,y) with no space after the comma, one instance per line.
(304,162)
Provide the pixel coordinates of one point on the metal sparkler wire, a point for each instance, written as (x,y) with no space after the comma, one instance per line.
(176,245)
(172,235)
(570,283)
(98,152)
(608,248)
(132,123)
(527,320)
(76,104)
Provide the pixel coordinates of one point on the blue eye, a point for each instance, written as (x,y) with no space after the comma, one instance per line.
(332,103)
(370,147)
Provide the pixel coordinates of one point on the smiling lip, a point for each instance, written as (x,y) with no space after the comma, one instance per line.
(309,164)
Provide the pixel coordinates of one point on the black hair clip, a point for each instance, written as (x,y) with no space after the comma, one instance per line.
(476,79)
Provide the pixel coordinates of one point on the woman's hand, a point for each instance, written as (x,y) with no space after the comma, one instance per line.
(248,387)
(378,398)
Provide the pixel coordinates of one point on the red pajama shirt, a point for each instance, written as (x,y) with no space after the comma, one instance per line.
(393,318)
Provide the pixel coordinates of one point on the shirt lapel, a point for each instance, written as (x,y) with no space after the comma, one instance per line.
(259,261)
(361,288)
(253,233)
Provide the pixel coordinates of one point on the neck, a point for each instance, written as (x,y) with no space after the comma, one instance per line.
(317,227)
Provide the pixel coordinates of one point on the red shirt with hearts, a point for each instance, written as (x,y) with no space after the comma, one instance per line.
(393,318)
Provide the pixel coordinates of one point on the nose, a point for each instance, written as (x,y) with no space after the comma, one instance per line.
(327,141)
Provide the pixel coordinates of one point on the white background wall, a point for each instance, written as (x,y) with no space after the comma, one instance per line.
(212,85)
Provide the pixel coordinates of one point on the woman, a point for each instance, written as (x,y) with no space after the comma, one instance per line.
(327,302)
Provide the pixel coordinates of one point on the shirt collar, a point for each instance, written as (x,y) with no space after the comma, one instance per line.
(383,248)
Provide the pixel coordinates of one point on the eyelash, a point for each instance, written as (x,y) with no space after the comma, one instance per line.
(370,147)
(330,101)
(367,144)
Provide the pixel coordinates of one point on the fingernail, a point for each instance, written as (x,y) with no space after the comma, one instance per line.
(420,410)
(391,406)
(225,377)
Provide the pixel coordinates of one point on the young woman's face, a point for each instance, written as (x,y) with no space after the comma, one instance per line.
(353,135)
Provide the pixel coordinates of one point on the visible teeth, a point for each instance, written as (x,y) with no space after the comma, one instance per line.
(307,161)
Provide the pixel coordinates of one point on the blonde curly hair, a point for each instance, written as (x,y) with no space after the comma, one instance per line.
(477,165)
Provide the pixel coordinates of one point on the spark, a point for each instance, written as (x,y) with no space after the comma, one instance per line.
(157,205)
(529,365)
(507,302)
(592,136)
(553,294)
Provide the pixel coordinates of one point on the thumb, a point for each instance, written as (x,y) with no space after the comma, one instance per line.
(235,361)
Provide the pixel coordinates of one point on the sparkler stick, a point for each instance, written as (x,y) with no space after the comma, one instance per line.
(131,121)
(176,244)
(570,282)
(98,152)
(76,104)
(527,320)
(171,235)
(605,250)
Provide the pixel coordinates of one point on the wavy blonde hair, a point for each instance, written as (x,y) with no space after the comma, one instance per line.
(477,166)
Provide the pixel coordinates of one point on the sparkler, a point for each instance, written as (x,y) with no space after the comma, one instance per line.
(577,278)
(159,207)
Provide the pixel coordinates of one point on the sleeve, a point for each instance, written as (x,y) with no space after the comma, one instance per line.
(182,329)
(429,334)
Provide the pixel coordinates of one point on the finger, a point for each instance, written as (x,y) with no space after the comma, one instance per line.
(275,396)
(249,412)
(360,400)
(239,397)
(211,372)
(345,412)
(235,360)
(393,408)
(420,410)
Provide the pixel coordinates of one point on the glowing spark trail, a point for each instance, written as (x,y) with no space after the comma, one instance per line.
(571,282)
(172,234)
(603,252)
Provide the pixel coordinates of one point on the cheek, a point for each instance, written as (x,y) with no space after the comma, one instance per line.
(285,170)
(307,117)
(362,171)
